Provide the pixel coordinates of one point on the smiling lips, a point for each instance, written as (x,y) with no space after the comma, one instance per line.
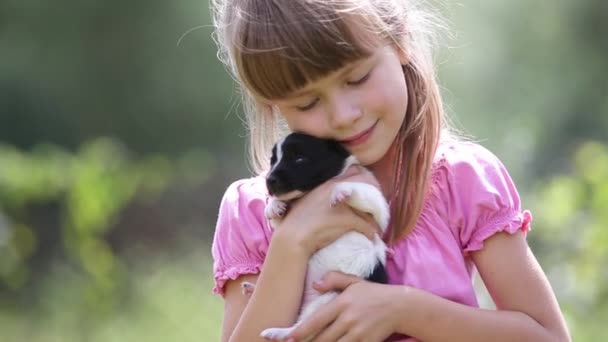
(359,138)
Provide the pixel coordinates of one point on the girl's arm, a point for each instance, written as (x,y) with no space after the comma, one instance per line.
(234,304)
(275,300)
(311,224)
(526,307)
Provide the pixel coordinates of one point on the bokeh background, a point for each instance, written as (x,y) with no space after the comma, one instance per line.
(120,130)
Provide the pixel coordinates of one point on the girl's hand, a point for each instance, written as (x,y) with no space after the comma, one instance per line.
(313,223)
(364,311)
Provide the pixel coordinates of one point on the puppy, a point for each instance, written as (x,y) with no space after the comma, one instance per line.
(300,163)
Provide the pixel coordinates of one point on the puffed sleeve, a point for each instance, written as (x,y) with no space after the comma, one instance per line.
(242,233)
(482,199)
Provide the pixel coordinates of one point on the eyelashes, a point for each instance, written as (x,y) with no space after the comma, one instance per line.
(308,106)
(358,82)
(361,80)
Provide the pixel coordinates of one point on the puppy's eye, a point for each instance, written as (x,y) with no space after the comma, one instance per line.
(299,160)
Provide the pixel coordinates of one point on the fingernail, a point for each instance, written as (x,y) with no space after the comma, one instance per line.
(318,284)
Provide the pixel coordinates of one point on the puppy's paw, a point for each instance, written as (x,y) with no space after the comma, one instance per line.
(341,193)
(276,334)
(275,209)
(365,198)
(382,216)
(247,288)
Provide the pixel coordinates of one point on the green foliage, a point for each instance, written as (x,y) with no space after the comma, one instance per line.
(571,212)
(145,74)
(91,187)
(169,300)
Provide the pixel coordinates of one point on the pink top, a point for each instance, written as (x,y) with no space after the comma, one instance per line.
(471,198)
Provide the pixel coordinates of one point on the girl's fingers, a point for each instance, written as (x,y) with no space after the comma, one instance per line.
(371,228)
(350,336)
(361,223)
(359,173)
(349,219)
(335,281)
(333,332)
(346,338)
(313,325)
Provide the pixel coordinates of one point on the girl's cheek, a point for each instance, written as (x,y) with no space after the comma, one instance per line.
(311,124)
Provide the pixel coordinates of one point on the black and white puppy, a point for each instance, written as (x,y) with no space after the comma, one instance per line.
(300,163)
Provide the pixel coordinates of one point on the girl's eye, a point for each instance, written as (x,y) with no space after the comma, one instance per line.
(308,106)
(361,80)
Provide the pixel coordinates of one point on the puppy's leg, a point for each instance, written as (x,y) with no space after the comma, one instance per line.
(274,210)
(278,334)
(363,197)
(247,288)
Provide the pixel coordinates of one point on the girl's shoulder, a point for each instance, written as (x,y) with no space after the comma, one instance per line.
(242,232)
(459,154)
(475,194)
(243,201)
(465,164)
(246,189)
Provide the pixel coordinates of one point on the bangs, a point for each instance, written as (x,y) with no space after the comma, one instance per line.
(280,47)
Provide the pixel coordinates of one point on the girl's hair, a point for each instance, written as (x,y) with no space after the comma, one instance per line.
(274,47)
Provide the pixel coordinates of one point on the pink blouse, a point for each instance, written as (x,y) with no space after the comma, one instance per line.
(471,198)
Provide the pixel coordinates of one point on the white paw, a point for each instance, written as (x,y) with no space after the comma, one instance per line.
(365,198)
(383,218)
(276,334)
(341,193)
(275,209)
(247,288)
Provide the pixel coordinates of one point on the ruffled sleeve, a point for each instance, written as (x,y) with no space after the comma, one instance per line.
(242,233)
(481,197)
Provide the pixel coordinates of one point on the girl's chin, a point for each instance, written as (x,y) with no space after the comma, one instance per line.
(373,158)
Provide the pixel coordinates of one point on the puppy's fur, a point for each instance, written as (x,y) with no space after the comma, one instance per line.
(300,163)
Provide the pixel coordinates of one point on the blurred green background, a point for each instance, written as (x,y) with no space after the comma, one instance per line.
(119,132)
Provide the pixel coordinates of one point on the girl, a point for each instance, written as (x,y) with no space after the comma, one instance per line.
(360,71)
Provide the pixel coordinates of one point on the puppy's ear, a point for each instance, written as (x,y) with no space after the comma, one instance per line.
(273,157)
(336,147)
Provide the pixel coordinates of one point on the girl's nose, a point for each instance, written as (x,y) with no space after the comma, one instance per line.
(345,111)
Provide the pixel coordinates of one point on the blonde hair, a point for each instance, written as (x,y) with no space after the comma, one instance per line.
(274,47)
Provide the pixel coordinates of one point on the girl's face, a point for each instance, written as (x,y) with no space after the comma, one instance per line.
(362,105)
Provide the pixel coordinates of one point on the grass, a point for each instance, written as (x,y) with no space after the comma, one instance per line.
(169,299)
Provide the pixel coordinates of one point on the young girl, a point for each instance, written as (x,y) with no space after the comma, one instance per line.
(360,71)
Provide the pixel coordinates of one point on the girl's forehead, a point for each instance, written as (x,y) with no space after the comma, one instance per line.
(277,59)
(303,79)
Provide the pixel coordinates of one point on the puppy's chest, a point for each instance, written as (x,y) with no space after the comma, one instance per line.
(344,254)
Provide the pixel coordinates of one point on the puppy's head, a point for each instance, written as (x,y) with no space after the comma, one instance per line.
(301,162)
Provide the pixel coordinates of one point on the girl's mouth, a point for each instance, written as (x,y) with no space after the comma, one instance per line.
(360,138)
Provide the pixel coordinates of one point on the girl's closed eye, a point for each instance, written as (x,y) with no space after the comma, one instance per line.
(308,106)
(356,82)
(360,80)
